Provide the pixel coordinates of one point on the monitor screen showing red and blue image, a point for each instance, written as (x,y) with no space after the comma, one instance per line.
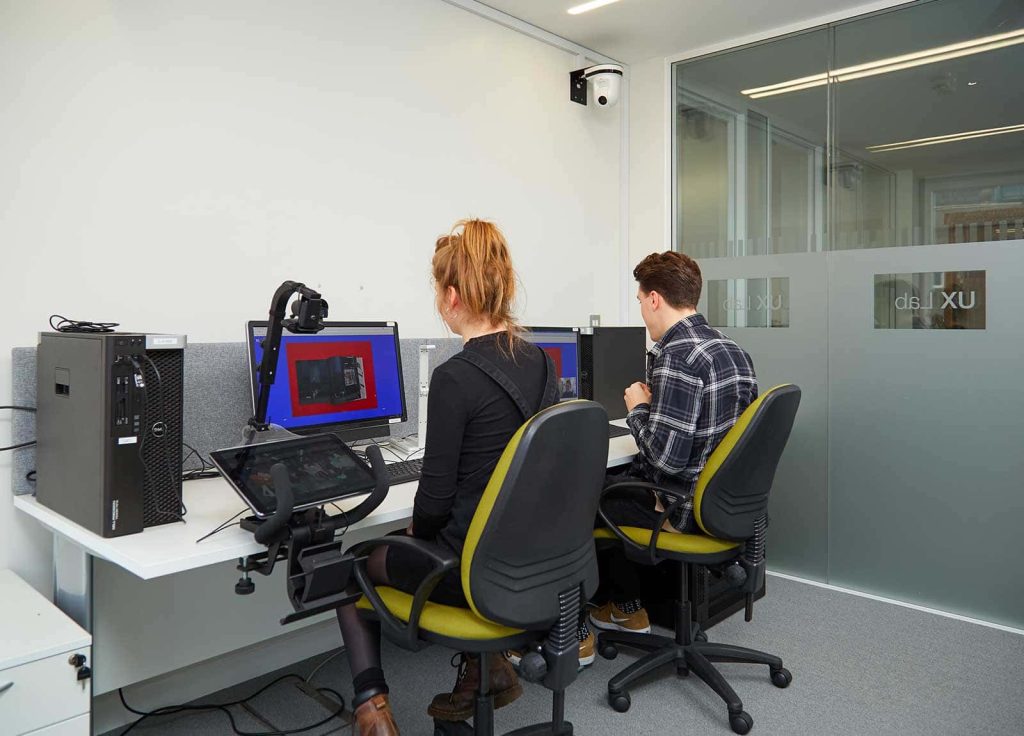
(348,372)
(562,344)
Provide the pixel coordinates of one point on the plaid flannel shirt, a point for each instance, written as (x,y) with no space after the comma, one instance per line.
(700,381)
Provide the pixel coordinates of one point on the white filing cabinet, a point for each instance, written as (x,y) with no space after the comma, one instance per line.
(41,653)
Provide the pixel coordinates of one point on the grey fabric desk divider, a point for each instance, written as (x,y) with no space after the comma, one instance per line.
(217,399)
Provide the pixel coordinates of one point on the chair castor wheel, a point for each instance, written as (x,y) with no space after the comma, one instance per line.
(608,651)
(619,701)
(781,677)
(701,636)
(741,722)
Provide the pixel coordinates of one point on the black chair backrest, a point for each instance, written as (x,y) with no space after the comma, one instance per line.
(732,491)
(532,535)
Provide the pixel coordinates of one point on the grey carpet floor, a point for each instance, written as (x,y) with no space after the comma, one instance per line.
(860,667)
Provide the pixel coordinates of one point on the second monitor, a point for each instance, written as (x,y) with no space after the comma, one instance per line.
(346,379)
(562,345)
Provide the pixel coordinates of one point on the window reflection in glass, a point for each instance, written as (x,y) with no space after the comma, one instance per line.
(900,128)
(953,174)
(750,174)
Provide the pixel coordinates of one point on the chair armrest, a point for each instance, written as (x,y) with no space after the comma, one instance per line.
(647,554)
(404,634)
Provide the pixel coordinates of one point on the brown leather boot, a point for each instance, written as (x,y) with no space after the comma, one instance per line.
(374,718)
(458,704)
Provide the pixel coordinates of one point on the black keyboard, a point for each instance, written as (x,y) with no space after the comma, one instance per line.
(404,472)
(614,430)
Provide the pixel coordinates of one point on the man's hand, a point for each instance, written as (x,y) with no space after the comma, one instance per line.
(637,394)
(408,530)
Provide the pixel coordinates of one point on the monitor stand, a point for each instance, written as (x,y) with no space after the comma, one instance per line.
(363,433)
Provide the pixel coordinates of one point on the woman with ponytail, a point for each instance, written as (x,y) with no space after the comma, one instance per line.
(470,420)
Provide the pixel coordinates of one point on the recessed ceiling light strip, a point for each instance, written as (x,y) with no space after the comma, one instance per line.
(844,76)
(972,46)
(949,138)
(583,8)
(891,64)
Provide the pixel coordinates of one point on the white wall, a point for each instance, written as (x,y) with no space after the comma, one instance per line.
(167,165)
(648,166)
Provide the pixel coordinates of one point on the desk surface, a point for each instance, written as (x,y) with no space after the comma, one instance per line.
(171,548)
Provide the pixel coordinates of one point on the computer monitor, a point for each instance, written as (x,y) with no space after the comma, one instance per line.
(562,344)
(345,379)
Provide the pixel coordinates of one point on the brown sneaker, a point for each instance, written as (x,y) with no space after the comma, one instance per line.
(458,704)
(612,618)
(588,647)
(374,717)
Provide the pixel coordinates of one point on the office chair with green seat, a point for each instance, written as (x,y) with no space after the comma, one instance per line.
(527,567)
(730,505)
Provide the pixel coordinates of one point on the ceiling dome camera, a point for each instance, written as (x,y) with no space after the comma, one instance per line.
(605,80)
(602,81)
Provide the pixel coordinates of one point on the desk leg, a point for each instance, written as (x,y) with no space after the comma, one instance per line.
(72,581)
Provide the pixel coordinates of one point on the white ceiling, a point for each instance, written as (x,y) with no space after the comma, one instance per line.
(635,30)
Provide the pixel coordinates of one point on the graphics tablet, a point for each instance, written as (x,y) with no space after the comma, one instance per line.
(321,468)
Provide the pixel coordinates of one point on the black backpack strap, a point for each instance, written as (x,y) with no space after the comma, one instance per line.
(499,376)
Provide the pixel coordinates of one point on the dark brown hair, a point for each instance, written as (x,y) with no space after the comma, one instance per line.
(674,275)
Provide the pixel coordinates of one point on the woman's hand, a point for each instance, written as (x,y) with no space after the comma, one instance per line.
(408,530)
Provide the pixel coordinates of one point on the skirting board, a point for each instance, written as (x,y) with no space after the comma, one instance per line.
(896,602)
(199,680)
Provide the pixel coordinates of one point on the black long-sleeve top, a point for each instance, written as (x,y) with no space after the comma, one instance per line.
(470,420)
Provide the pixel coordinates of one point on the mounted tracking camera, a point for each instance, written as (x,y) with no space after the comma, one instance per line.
(606,80)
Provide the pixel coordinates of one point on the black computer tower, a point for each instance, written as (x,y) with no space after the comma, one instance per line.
(611,359)
(712,598)
(109,429)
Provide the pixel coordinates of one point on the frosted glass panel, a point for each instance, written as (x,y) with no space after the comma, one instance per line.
(926,450)
(802,167)
(797,541)
(762,302)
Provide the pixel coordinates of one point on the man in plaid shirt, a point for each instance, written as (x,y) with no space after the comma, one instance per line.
(698,383)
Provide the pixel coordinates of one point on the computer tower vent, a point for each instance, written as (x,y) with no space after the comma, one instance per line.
(587,367)
(161,438)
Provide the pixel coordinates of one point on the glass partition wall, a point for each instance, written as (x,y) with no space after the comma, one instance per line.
(855,196)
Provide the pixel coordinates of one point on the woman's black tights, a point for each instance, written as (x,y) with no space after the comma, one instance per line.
(362,637)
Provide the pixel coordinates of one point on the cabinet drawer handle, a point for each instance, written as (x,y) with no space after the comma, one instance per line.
(6,686)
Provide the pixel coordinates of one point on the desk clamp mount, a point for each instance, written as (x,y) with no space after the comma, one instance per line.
(318,569)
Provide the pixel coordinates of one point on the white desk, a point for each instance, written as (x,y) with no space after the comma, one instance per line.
(165,550)
(172,548)
(160,552)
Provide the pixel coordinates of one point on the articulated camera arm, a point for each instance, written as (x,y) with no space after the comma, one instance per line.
(308,314)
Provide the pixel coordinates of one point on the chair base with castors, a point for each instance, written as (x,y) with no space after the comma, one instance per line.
(687,654)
